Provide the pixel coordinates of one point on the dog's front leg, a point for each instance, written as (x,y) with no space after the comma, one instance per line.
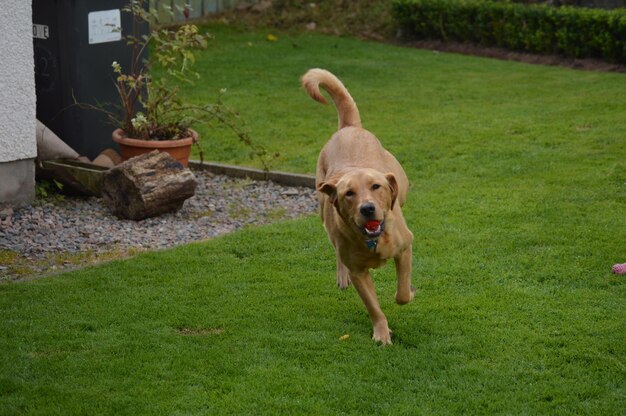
(365,287)
(405,292)
(343,274)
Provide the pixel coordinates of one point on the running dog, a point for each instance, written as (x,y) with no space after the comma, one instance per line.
(361,188)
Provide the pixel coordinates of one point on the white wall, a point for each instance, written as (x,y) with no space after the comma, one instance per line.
(17,82)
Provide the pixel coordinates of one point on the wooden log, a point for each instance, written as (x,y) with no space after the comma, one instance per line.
(147,185)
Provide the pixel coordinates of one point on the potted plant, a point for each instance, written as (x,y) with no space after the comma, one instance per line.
(153,116)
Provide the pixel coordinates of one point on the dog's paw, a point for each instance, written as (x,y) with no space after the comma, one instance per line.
(343,283)
(343,278)
(382,334)
(404,298)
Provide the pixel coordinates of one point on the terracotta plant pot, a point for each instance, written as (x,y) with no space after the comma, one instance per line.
(178,149)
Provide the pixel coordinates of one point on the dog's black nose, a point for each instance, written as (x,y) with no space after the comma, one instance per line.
(368,209)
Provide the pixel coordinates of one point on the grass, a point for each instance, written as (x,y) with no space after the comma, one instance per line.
(517,205)
(18,267)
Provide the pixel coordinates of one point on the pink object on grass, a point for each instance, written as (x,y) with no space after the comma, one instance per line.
(619,268)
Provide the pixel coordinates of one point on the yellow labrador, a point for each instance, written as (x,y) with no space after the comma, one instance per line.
(361,189)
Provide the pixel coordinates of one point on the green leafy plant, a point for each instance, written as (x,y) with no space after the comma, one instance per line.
(49,189)
(149,90)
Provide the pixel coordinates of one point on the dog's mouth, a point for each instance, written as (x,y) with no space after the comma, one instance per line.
(373,228)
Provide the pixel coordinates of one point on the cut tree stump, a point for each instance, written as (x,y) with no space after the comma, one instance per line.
(147,185)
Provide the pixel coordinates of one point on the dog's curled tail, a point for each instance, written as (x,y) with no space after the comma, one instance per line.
(346,107)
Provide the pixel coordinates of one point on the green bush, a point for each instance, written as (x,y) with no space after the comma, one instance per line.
(569,31)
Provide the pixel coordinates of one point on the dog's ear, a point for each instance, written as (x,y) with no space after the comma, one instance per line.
(330,189)
(393,185)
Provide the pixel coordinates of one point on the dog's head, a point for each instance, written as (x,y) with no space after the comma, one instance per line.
(363,198)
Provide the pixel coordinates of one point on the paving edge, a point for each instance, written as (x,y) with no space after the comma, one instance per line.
(283,178)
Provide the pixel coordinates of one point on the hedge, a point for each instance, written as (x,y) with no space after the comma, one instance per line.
(569,31)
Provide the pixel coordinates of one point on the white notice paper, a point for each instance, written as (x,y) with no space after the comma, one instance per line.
(105,26)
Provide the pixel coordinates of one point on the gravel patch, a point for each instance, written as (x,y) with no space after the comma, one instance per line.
(73,225)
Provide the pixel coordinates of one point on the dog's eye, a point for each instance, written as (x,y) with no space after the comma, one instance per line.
(350,193)
(375,186)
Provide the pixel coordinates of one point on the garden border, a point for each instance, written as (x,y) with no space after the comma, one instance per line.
(283,178)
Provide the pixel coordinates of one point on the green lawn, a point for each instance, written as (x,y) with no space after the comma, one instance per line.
(517,205)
